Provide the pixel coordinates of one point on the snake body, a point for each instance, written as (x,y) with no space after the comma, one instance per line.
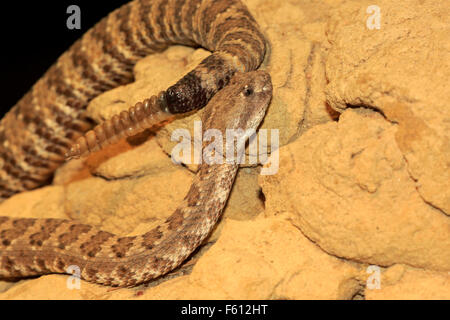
(38,131)
(41,128)
(38,246)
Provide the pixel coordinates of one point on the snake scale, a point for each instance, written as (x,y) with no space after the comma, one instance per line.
(49,124)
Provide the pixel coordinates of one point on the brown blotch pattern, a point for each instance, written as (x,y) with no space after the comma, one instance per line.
(8,265)
(175,220)
(93,245)
(60,264)
(149,239)
(3,220)
(46,231)
(122,246)
(20,226)
(70,237)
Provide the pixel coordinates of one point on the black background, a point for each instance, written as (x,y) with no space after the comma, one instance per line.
(33,34)
(298,310)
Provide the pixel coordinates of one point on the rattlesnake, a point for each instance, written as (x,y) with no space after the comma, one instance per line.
(38,132)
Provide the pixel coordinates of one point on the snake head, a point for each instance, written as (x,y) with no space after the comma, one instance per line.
(242,104)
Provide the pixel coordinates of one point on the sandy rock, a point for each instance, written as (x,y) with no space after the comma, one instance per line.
(55,287)
(245,202)
(347,187)
(401,69)
(46,202)
(405,283)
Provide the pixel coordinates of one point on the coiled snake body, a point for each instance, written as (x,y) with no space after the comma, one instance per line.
(39,132)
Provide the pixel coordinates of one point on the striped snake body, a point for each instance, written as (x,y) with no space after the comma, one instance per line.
(49,124)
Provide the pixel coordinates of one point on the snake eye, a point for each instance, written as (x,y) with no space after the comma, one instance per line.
(248,91)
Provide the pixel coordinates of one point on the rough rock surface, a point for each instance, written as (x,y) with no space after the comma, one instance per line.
(362,194)
(373,212)
(401,282)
